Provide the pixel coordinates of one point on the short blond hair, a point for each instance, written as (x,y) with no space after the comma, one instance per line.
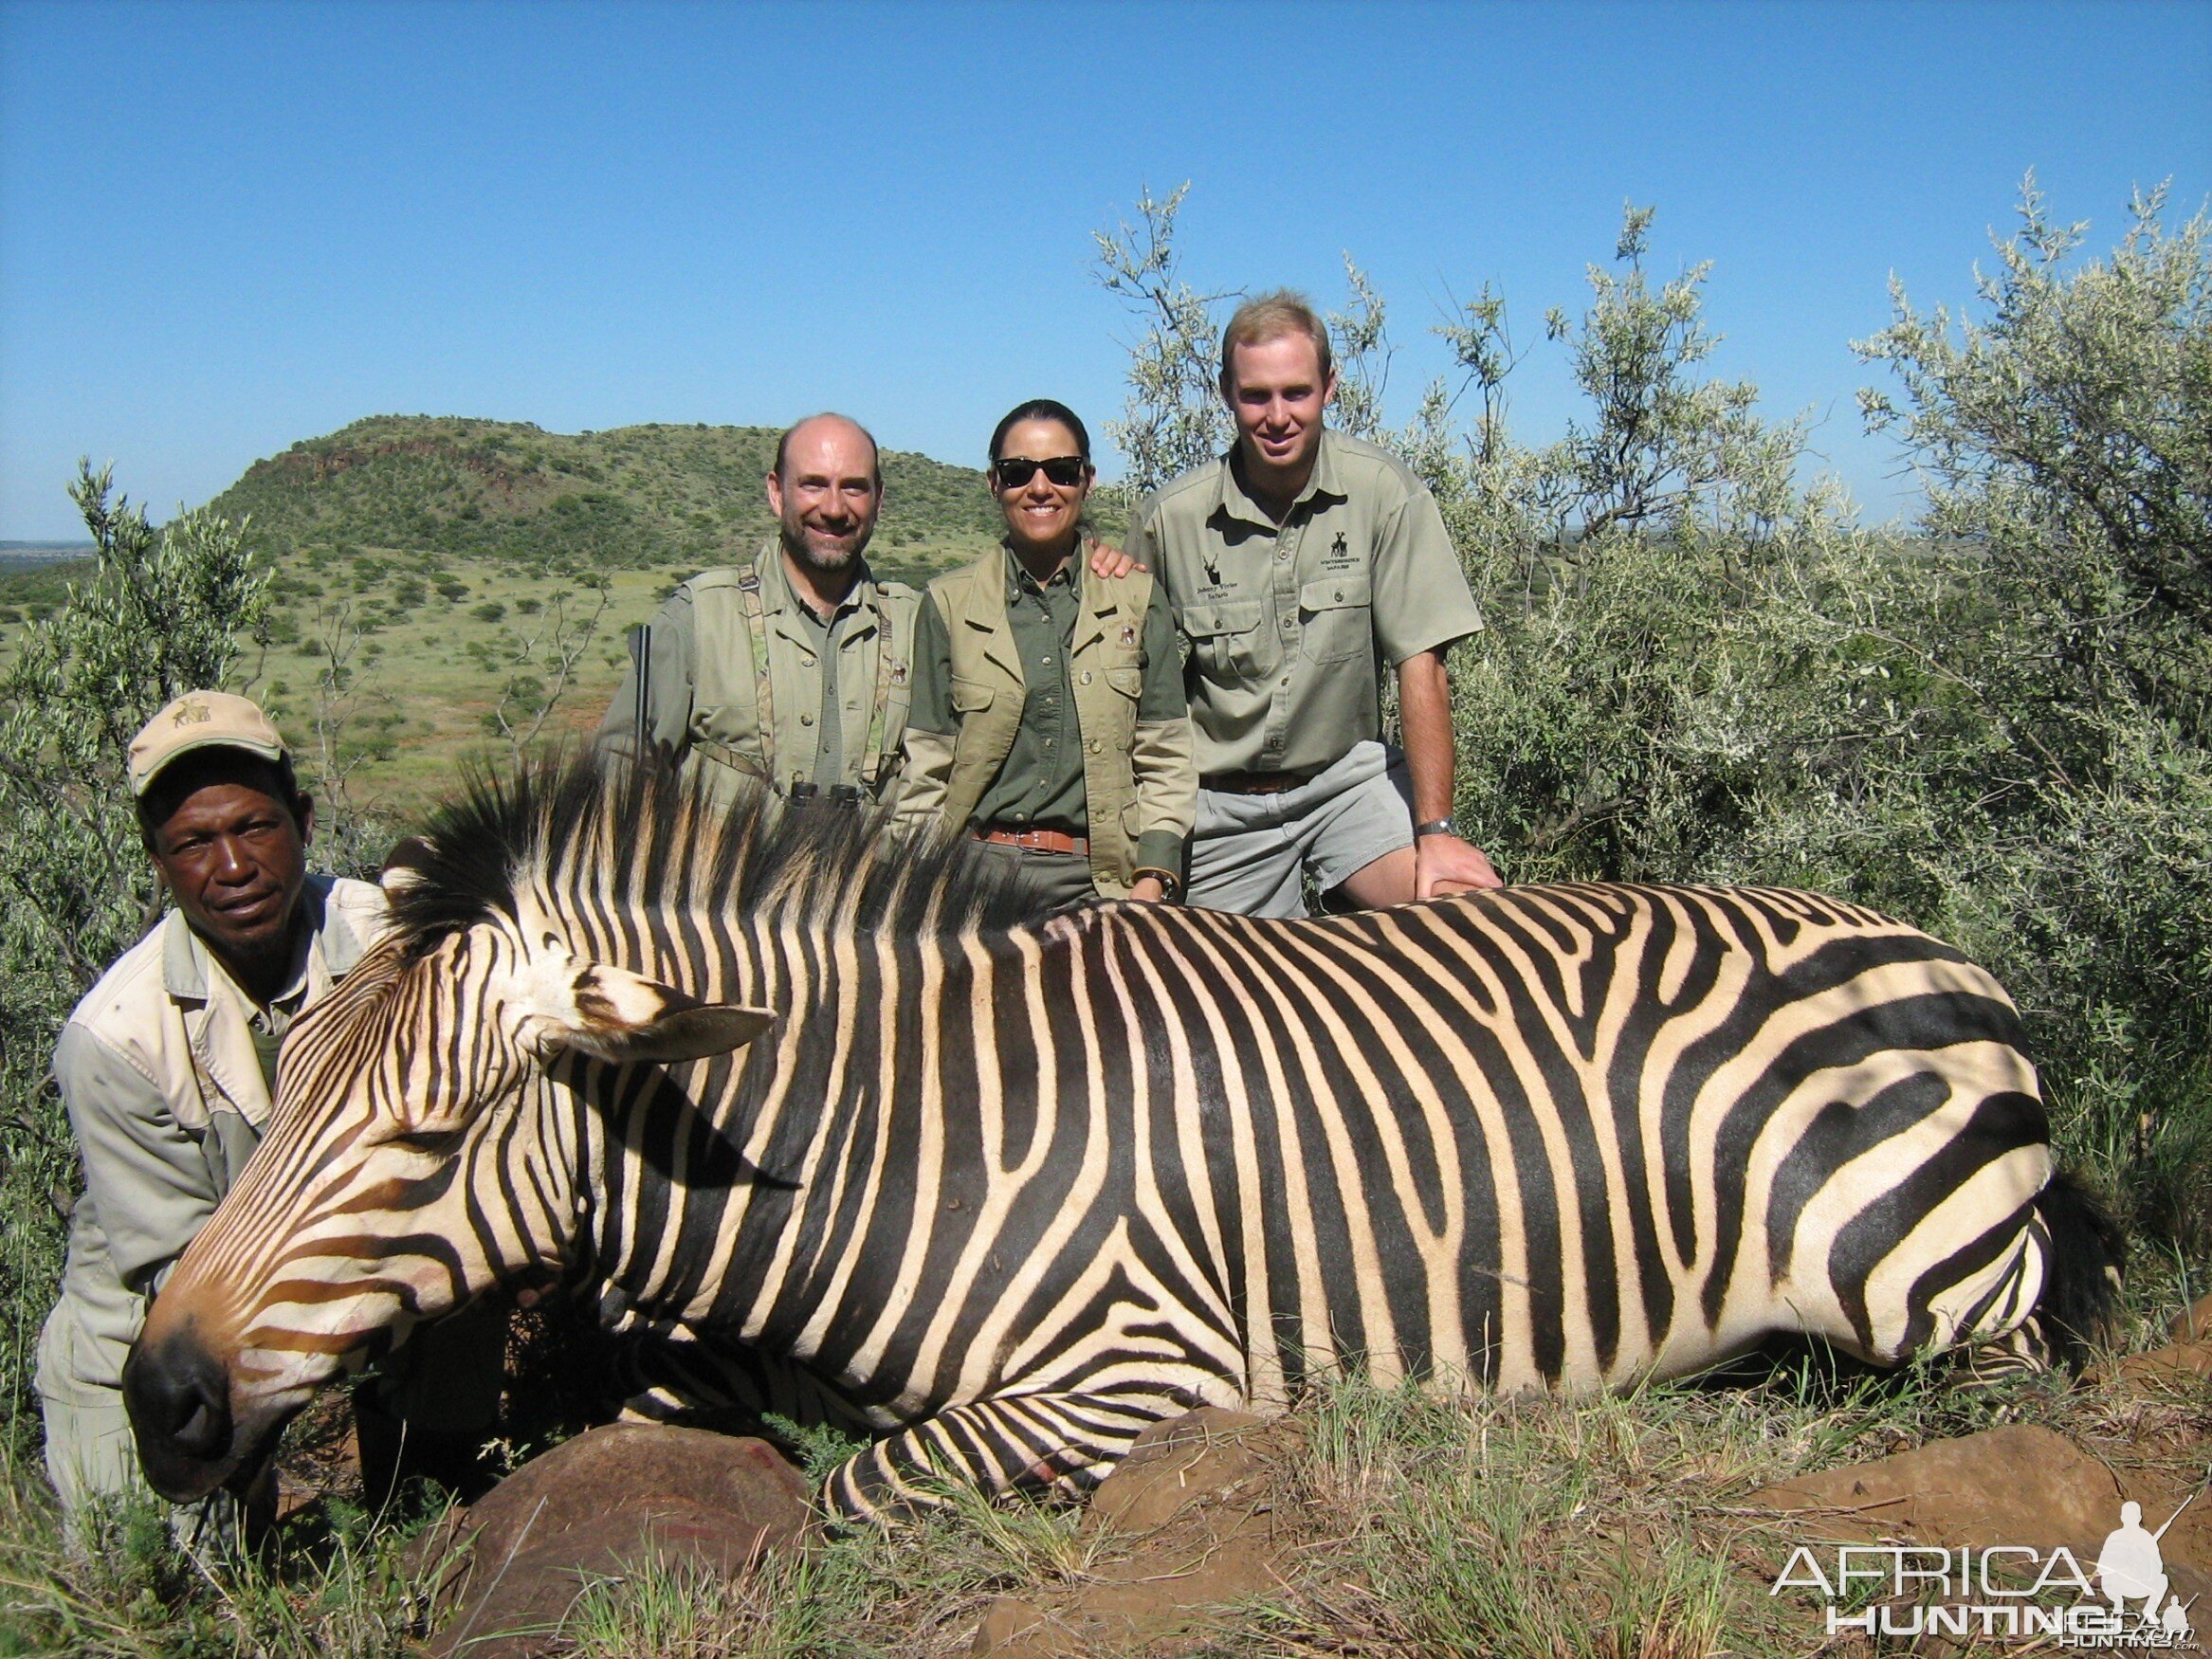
(1271,316)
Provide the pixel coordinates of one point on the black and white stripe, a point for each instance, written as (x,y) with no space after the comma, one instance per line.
(1007,1190)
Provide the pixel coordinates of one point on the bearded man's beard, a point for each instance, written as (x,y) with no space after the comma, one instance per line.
(810,558)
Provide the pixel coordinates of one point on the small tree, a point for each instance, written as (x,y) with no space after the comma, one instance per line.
(2066,437)
(1174,418)
(163,613)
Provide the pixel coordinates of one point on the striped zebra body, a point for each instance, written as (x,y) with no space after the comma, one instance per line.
(1007,1191)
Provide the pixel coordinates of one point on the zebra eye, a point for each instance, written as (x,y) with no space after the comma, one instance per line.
(427,1139)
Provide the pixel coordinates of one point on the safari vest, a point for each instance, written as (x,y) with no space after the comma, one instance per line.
(756,690)
(1105,672)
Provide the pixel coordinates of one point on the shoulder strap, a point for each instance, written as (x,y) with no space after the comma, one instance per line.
(893,668)
(764,700)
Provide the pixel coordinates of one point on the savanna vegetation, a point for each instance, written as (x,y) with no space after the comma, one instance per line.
(1699,665)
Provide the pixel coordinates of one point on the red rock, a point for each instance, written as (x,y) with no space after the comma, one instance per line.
(596,1506)
(2020,1484)
(2194,1323)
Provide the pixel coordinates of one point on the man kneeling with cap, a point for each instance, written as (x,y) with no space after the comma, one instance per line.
(168,1067)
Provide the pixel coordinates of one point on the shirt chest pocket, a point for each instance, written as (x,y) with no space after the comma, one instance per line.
(1224,635)
(1335,618)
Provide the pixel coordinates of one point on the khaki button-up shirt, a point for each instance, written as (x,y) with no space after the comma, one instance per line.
(167,1092)
(1286,627)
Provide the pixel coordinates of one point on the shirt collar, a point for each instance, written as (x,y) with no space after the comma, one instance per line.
(1018,580)
(189,969)
(1238,502)
(188,966)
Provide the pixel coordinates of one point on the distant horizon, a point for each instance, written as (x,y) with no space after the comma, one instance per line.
(259,222)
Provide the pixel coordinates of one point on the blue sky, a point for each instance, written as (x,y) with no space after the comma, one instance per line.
(224,227)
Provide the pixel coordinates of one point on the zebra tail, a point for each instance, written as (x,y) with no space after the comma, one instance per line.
(2079,1311)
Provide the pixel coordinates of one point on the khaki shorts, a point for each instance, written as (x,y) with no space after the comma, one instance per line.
(1247,852)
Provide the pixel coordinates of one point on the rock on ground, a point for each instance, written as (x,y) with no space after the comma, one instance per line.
(2194,1323)
(594,1507)
(1183,1524)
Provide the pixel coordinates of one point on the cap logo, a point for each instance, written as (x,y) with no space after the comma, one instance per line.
(193,713)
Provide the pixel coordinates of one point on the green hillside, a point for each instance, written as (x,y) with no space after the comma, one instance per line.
(514,494)
(430,573)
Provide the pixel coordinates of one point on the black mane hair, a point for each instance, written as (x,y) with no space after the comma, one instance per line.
(644,836)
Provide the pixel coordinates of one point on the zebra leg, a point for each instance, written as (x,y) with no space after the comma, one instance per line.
(728,1388)
(1043,1444)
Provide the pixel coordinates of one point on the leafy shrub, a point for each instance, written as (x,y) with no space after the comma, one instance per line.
(160,614)
(1697,668)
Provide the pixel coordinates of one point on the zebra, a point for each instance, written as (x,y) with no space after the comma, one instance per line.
(832,1110)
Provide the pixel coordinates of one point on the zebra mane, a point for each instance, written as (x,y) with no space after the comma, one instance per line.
(645,838)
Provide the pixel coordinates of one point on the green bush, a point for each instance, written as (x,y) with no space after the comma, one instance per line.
(160,614)
(1698,667)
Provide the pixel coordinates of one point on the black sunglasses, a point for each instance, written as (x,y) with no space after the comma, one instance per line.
(1015,472)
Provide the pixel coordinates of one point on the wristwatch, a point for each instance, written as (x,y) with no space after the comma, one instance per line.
(1436,827)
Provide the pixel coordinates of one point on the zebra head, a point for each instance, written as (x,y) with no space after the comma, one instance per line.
(360,1215)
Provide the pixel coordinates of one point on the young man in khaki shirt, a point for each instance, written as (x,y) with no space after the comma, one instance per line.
(792,670)
(1298,565)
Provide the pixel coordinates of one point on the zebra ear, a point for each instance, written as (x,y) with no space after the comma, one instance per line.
(623,1017)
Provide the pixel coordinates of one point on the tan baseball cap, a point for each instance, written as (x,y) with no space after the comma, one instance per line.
(201,720)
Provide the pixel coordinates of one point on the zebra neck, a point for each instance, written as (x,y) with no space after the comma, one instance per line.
(751,1197)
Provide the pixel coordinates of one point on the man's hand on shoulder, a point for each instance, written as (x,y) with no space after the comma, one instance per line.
(1445,864)
(1110,562)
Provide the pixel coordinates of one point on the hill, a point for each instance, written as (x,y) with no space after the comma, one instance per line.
(432,573)
(514,494)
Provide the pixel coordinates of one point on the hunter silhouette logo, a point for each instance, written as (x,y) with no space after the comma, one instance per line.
(2129,1568)
(2005,1590)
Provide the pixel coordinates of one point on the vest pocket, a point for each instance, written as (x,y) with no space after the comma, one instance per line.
(971,696)
(1129,681)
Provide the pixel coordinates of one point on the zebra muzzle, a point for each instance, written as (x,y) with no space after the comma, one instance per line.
(179,1397)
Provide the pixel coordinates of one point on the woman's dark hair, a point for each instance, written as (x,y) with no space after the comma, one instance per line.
(1042,408)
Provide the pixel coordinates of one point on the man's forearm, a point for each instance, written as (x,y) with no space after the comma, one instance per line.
(1424,708)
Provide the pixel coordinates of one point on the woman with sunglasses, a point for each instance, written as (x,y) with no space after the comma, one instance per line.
(1049,718)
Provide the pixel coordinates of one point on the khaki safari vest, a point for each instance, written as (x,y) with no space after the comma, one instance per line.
(751,710)
(1104,671)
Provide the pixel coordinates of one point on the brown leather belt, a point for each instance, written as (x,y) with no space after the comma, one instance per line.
(1037,840)
(1256,783)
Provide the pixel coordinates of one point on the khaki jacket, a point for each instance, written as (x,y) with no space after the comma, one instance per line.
(729,674)
(165,1092)
(1136,776)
